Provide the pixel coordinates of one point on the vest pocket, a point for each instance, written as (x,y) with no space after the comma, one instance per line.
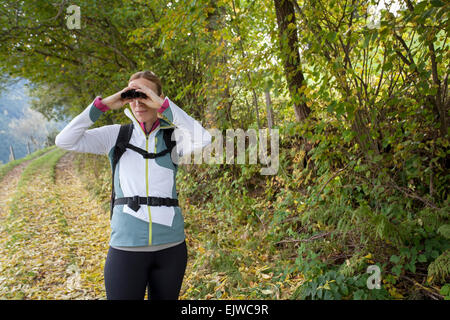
(163,215)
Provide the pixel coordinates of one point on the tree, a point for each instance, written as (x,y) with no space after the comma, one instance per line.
(289,52)
(80,64)
(33,128)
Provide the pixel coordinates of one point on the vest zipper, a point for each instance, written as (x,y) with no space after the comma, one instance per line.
(146,180)
(146,183)
(146,190)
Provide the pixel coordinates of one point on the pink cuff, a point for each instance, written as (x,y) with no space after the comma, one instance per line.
(100,105)
(164,106)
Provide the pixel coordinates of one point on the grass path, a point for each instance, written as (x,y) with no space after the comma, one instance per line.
(8,187)
(9,177)
(52,244)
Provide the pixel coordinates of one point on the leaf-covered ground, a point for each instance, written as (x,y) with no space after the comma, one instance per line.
(227,261)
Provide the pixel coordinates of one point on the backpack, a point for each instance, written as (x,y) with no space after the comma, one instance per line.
(122,143)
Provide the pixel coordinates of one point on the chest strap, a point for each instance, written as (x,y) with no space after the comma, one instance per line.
(135,202)
(145,154)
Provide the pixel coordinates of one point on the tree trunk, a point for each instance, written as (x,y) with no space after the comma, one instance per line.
(269,111)
(255,104)
(290,55)
(215,22)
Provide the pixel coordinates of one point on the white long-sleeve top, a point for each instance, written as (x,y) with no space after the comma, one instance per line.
(137,176)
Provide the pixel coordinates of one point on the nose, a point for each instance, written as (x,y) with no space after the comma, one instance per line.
(136,102)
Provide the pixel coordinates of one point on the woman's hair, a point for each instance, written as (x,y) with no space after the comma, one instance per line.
(149,76)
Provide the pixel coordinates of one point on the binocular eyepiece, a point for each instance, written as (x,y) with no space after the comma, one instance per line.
(132,94)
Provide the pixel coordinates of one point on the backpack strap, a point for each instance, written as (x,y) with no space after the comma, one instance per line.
(170,144)
(125,132)
(145,154)
(167,135)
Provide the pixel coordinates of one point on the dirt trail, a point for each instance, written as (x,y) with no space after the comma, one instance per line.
(87,232)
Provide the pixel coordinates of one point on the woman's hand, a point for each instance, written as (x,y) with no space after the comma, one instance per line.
(115,101)
(152,100)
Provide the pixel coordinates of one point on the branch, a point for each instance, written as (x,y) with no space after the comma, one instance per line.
(315,237)
(51,54)
(332,177)
(381,76)
(409,5)
(434,66)
(404,59)
(413,195)
(405,46)
(432,294)
(108,45)
(317,31)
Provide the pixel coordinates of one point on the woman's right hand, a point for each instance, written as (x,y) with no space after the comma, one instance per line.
(115,101)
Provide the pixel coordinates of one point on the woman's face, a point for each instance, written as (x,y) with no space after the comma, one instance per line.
(140,110)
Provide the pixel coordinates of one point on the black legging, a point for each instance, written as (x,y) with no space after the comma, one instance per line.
(128,273)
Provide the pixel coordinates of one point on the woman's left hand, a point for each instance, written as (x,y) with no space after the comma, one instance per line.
(152,100)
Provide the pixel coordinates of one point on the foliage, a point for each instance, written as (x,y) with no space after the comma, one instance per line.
(376,176)
(95,173)
(230,256)
(439,269)
(334,286)
(445,291)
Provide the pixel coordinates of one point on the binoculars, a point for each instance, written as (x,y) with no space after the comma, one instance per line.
(132,94)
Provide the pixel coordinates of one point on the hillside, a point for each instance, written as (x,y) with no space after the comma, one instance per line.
(13,103)
(15,106)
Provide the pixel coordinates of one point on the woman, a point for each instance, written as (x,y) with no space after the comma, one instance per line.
(147,244)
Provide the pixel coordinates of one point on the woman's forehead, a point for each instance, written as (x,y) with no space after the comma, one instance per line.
(143,81)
